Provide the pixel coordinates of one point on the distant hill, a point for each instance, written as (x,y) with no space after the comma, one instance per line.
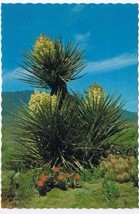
(130,116)
(12,100)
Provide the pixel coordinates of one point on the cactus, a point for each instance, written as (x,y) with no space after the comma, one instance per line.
(119,168)
(42,191)
(134,176)
(62,185)
(56,179)
(51,182)
(126,176)
(119,178)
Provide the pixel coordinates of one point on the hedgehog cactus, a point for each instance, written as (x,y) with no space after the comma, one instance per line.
(95,93)
(119,168)
(124,177)
(43,47)
(62,184)
(41,99)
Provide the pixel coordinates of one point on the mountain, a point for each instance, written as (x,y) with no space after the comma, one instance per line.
(12,100)
(130,116)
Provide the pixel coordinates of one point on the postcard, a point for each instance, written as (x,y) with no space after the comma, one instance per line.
(69,91)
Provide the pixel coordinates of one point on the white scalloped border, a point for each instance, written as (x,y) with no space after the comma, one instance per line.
(68,211)
(72,1)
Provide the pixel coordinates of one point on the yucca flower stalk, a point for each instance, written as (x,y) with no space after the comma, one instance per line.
(44,45)
(95,94)
(41,99)
(51,65)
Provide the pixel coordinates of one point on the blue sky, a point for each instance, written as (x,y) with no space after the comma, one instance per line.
(107,32)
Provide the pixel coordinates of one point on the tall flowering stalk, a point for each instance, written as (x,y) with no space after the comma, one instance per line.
(39,99)
(43,47)
(51,65)
(95,94)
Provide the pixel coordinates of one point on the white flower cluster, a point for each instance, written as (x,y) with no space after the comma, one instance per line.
(43,46)
(95,93)
(41,99)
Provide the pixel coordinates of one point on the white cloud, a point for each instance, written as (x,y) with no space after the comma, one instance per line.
(10,80)
(115,63)
(82,37)
(11,75)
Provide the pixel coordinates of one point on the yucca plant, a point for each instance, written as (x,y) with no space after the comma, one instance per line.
(74,136)
(51,64)
(101,121)
(73,131)
(49,135)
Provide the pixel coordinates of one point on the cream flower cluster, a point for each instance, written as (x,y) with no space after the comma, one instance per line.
(43,46)
(41,99)
(95,93)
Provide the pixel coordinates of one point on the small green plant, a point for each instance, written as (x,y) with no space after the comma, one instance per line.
(58,179)
(110,189)
(16,187)
(87,175)
(98,173)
